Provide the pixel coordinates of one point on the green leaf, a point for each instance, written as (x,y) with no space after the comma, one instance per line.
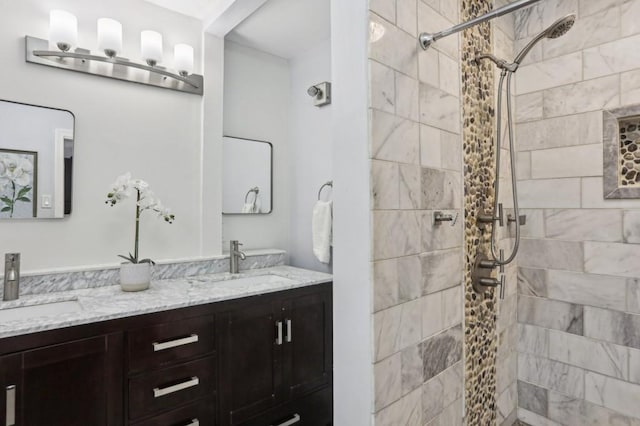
(129,259)
(24,191)
(6,199)
(25,199)
(6,209)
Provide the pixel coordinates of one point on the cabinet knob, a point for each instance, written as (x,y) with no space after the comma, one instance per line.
(10,415)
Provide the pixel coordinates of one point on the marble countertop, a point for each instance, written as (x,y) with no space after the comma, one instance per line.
(107,303)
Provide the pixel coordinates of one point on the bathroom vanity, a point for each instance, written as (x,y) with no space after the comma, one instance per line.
(216,351)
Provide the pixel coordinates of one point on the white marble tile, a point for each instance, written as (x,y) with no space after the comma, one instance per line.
(561,193)
(441,236)
(592,196)
(397,328)
(407,97)
(382,87)
(533,340)
(406,411)
(534,419)
(612,326)
(450,416)
(532,282)
(553,254)
(584,225)
(432,398)
(407,16)
(439,108)
(631,226)
(612,259)
(630,87)
(528,22)
(589,7)
(396,233)
(384,8)
(574,161)
(449,75)
(553,72)
(395,48)
(629,12)
(633,295)
(411,369)
(550,314)
(385,284)
(587,31)
(573,411)
(430,147)
(506,371)
(387,379)
(429,67)
(450,10)
(551,375)
(523,161)
(409,278)
(432,314)
(534,228)
(532,398)
(587,289)
(604,93)
(441,270)
(507,402)
(503,44)
(615,394)
(505,23)
(410,193)
(579,129)
(601,357)
(452,306)
(394,138)
(610,58)
(451,151)
(441,352)
(534,55)
(384,185)
(529,107)
(507,312)
(634,365)
(441,189)
(429,20)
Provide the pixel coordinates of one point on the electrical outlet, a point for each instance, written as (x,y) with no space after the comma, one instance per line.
(324,96)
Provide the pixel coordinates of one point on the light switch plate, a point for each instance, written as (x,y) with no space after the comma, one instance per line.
(46,202)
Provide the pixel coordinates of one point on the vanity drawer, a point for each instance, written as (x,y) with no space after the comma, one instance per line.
(163,344)
(164,389)
(312,410)
(201,413)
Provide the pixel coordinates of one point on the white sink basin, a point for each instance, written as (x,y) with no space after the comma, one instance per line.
(39,310)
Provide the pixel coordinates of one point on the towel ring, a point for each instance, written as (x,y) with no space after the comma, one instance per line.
(328,183)
(256,190)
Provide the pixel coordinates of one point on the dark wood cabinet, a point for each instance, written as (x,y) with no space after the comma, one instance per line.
(262,360)
(76,383)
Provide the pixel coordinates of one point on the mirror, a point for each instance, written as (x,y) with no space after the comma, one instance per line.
(247,176)
(36,155)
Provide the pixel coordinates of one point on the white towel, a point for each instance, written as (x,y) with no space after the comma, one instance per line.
(248,208)
(321,229)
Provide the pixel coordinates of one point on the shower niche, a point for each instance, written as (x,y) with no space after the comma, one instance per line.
(621,152)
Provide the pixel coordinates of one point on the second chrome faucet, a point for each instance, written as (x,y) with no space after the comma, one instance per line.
(235,255)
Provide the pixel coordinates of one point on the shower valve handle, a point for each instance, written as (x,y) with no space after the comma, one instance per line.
(489,218)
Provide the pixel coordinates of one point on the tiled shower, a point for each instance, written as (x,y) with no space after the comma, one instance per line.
(563,347)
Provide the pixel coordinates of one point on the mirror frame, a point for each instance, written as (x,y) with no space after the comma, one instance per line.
(65,214)
(270,177)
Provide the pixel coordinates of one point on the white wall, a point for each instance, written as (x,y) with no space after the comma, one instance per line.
(120,126)
(311,150)
(256,106)
(352,290)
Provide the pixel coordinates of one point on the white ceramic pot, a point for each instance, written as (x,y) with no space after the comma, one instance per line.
(135,276)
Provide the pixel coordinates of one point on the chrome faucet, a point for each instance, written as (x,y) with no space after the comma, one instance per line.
(11,276)
(234,257)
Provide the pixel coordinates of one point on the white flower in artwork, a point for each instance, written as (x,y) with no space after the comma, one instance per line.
(15,169)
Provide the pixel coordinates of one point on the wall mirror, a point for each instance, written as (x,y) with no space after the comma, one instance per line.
(36,156)
(247,176)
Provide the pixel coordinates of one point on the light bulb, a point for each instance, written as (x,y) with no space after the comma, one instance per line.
(109,36)
(63,29)
(183,59)
(151,46)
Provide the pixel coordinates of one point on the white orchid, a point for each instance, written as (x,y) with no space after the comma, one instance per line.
(17,172)
(122,188)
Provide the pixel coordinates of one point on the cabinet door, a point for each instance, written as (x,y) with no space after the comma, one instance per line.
(77,383)
(10,383)
(250,361)
(308,343)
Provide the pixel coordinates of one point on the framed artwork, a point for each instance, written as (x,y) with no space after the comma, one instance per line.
(18,184)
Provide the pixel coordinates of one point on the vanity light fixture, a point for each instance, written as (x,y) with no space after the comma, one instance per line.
(63,34)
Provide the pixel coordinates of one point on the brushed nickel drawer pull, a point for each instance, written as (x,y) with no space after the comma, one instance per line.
(194,422)
(289,336)
(278,333)
(295,419)
(158,346)
(158,392)
(10,417)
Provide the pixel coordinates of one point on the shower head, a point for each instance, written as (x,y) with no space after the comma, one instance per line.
(555,30)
